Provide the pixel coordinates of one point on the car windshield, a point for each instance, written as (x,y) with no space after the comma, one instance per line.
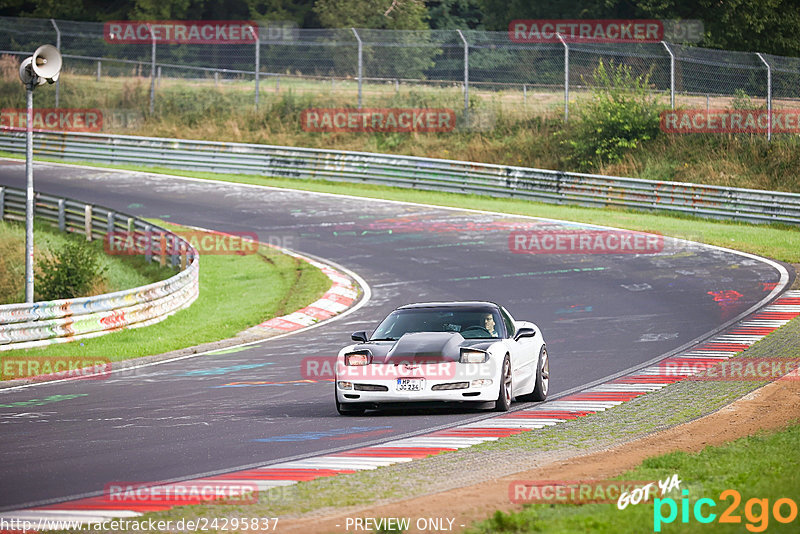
(470,323)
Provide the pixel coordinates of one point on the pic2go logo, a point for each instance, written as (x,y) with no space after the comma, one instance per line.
(756,511)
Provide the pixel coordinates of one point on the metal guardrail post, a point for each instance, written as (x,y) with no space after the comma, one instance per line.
(769,95)
(566,77)
(360,64)
(58,46)
(671,74)
(148,247)
(62,216)
(466,72)
(87,221)
(162,249)
(2,203)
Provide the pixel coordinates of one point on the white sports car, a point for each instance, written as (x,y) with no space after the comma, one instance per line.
(444,351)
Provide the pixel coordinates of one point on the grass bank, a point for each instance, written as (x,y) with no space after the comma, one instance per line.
(118,272)
(265,285)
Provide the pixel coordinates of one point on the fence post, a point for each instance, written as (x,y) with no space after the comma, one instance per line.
(360,64)
(162,249)
(671,75)
(87,221)
(258,57)
(152,71)
(58,46)
(2,202)
(466,72)
(99,69)
(62,216)
(566,77)
(769,95)
(148,239)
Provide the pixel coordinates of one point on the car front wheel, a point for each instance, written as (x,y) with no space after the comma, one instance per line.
(503,402)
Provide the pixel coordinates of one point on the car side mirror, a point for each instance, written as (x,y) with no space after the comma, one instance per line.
(524,332)
(359,336)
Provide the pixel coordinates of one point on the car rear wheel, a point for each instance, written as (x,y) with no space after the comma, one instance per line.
(503,402)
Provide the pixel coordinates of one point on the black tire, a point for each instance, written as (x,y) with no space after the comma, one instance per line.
(542,382)
(503,402)
(542,377)
(346,409)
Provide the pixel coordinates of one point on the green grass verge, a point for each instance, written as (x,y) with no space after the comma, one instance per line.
(770,473)
(121,272)
(781,242)
(236,292)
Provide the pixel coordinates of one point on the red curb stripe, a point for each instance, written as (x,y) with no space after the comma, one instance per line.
(602,396)
(551,414)
(398,452)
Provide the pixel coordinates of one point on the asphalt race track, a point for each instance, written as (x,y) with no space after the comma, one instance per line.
(600,314)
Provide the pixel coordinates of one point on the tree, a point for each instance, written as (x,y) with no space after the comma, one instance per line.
(455,14)
(375,14)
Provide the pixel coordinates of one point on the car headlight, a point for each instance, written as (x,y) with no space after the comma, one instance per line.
(358,358)
(473,356)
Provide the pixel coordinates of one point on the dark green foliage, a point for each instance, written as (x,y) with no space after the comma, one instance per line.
(619,116)
(70,273)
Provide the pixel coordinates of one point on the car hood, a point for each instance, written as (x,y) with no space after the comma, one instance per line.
(422,347)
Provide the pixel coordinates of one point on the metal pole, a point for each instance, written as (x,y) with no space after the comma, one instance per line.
(152,72)
(566,77)
(671,75)
(360,64)
(466,71)
(99,69)
(29,199)
(58,46)
(769,96)
(258,59)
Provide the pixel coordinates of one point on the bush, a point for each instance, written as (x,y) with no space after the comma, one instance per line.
(69,273)
(619,116)
(742,101)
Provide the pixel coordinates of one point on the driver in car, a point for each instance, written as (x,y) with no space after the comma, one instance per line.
(488,324)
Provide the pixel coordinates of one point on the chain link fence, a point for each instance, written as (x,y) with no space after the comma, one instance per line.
(465,70)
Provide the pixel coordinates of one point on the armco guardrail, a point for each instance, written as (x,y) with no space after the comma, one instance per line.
(57,321)
(422,173)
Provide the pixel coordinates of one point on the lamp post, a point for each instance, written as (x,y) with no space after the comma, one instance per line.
(42,67)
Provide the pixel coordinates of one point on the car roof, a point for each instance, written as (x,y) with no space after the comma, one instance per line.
(459,304)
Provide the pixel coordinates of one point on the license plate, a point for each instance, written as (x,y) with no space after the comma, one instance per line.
(410,384)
